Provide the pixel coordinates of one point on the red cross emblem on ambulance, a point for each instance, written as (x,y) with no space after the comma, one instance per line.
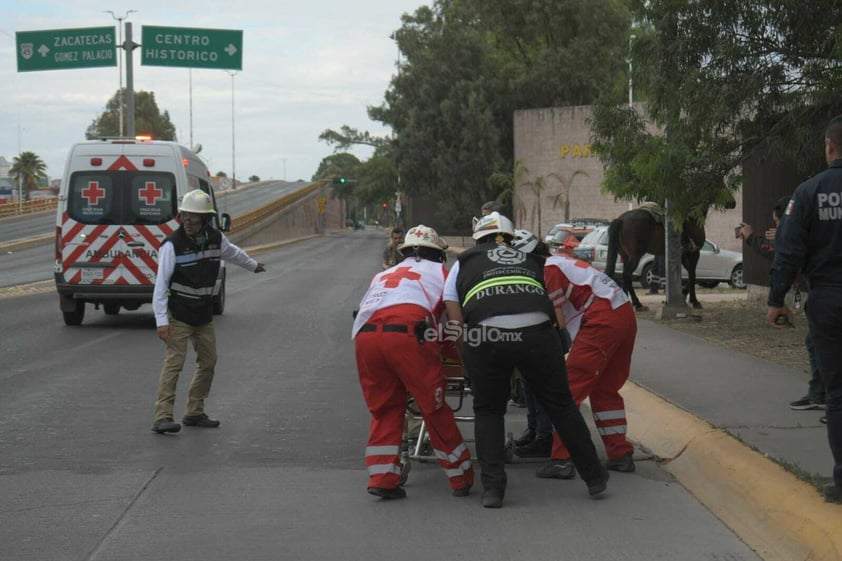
(150,193)
(93,193)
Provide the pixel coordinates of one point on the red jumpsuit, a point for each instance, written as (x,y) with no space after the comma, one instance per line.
(392,362)
(603,326)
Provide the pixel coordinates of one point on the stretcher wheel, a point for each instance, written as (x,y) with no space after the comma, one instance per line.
(509,447)
(406,467)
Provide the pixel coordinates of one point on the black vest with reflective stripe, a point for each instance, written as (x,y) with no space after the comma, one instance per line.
(496,280)
(194,276)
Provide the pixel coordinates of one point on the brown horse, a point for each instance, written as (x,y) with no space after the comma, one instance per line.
(639,231)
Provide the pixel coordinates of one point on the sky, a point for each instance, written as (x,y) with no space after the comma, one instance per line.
(307,66)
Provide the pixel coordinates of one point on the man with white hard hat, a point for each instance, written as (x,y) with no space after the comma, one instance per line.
(188,266)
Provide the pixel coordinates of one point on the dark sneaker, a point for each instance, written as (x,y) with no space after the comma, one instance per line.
(806,404)
(597,486)
(623,463)
(493,498)
(538,448)
(462,491)
(557,469)
(832,493)
(525,438)
(199,421)
(386,493)
(165,425)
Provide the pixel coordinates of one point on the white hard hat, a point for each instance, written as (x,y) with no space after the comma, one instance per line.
(492,224)
(197,201)
(525,241)
(422,236)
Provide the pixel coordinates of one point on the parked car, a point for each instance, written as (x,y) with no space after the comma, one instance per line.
(716,265)
(562,239)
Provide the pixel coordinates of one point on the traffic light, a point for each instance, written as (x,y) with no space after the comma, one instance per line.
(385,205)
(339,181)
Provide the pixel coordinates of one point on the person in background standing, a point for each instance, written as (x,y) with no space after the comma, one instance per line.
(391,255)
(765,246)
(810,241)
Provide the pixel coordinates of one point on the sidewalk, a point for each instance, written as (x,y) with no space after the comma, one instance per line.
(717,418)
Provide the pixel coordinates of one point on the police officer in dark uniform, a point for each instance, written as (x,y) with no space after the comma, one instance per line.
(810,240)
(499,294)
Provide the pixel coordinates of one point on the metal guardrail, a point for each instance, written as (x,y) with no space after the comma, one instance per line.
(27,207)
(243,221)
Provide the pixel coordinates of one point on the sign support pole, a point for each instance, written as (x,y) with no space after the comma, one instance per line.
(129,46)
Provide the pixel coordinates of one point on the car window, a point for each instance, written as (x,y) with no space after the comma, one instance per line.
(592,238)
(559,237)
(708,246)
(603,239)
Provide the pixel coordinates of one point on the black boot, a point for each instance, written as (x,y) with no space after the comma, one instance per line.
(538,448)
(525,438)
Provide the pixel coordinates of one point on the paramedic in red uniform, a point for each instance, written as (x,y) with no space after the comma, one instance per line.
(188,265)
(394,356)
(601,323)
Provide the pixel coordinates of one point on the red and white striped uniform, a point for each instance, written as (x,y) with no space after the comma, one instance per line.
(603,326)
(392,362)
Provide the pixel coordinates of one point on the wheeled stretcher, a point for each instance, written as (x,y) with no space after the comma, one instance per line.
(416,440)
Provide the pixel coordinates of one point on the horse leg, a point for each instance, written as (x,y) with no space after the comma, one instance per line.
(690,260)
(628,285)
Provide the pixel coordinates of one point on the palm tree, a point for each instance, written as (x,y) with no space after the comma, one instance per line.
(505,184)
(564,196)
(29,168)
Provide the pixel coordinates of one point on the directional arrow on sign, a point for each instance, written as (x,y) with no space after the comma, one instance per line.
(43,49)
(230,49)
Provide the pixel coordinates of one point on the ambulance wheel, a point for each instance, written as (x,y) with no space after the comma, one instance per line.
(111,309)
(76,316)
(219,300)
(510,447)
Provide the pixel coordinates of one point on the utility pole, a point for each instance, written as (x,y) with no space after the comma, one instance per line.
(120,46)
(233,149)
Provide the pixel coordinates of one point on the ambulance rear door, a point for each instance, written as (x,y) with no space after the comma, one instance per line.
(115,220)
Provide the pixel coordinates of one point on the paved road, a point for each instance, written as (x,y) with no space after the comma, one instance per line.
(83,478)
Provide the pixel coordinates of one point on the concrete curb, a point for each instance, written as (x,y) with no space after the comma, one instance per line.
(776,514)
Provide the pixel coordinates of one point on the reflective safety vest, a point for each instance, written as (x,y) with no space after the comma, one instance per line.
(496,280)
(194,276)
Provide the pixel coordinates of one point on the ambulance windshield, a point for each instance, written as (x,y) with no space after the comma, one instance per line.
(122,197)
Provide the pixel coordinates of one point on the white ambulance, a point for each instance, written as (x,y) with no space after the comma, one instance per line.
(118,201)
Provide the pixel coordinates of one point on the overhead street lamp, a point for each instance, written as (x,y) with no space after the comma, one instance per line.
(122,48)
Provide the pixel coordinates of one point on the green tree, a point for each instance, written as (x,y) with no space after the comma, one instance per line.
(28,168)
(467,65)
(758,75)
(254,179)
(148,119)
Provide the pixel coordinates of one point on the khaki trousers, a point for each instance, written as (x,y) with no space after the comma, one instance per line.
(203,338)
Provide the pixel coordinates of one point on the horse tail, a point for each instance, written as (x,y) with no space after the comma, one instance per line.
(613,245)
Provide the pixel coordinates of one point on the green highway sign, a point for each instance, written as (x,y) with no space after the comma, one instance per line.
(192,47)
(59,49)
